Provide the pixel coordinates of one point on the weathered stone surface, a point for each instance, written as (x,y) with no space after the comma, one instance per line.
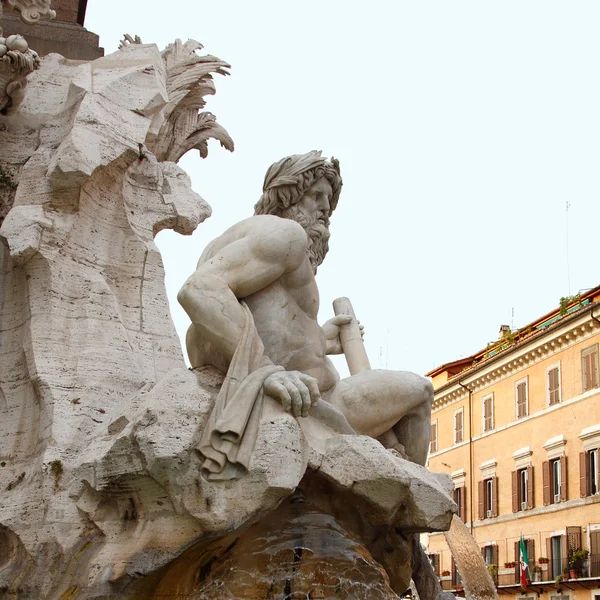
(101,488)
(401,492)
(85,330)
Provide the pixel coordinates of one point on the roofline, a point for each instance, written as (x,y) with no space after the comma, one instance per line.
(484,364)
(590,293)
(446,366)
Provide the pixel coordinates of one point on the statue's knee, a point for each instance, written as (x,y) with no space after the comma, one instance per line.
(428,391)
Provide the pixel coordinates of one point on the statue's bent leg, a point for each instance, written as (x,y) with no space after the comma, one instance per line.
(380,402)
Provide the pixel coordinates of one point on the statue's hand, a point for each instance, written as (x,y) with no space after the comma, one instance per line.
(297,392)
(331,329)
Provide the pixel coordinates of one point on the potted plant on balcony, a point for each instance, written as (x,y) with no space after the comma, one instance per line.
(542,560)
(576,559)
(445,573)
(536,574)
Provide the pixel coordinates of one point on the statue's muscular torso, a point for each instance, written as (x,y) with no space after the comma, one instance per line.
(284,309)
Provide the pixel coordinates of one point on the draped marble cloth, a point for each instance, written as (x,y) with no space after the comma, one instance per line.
(229,437)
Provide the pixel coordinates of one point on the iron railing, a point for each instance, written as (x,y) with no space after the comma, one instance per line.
(550,571)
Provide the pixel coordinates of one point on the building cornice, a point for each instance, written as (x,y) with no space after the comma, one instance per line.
(564,335)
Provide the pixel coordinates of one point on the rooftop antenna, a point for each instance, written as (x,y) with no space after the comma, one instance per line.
(512,319)
(568,204)
(387,348)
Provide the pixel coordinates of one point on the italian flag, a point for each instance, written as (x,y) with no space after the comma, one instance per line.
(523,562)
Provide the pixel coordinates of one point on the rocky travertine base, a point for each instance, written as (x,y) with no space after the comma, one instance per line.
(296,552)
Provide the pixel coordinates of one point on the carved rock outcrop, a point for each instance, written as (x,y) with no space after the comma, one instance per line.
(85,328)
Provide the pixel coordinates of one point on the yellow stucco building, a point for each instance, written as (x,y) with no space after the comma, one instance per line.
(517,426)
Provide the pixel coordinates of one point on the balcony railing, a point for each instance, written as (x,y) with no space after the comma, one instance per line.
(538,573)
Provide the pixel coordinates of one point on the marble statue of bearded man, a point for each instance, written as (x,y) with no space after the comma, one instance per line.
(253,301)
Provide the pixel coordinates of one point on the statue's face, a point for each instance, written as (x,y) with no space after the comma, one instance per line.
(316,200)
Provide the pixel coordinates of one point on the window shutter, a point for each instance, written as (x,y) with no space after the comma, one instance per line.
(594,553)
(517,562)
(531,552)
(563,479)
(551,574)
(481,500)
(522,400)
(433,441)
(487,414)
(463,504)
(436,564)
(456,418)
(515,491)
(584,475)
(546,481)
(589,368)
(495,555)
(553,386)
(565,553)
(458,427)
(494,496)
(585,370)
(574,538)
(530,487)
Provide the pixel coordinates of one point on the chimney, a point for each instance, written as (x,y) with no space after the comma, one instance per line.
(504,329)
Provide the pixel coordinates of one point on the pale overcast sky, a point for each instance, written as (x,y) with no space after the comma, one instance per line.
(462,129)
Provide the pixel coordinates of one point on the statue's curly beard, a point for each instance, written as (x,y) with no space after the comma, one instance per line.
(316,226)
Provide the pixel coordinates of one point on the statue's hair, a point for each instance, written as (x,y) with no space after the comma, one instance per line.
(276,199)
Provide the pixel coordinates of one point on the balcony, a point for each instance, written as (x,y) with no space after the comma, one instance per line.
(583,575)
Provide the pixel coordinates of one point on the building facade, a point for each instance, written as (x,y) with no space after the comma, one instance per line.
(517,426)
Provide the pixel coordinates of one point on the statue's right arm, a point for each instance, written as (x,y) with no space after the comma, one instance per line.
(237,270)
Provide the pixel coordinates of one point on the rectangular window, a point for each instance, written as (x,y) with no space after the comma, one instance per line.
(594,471)
(557,562)
(489,498)
(554,474)
(555,478)
(433,443)
(458,426)
(589,368)
(523,489)
(488,413)
(459,496)
(553,383)
(589,472)
(521,398)
(434,559)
